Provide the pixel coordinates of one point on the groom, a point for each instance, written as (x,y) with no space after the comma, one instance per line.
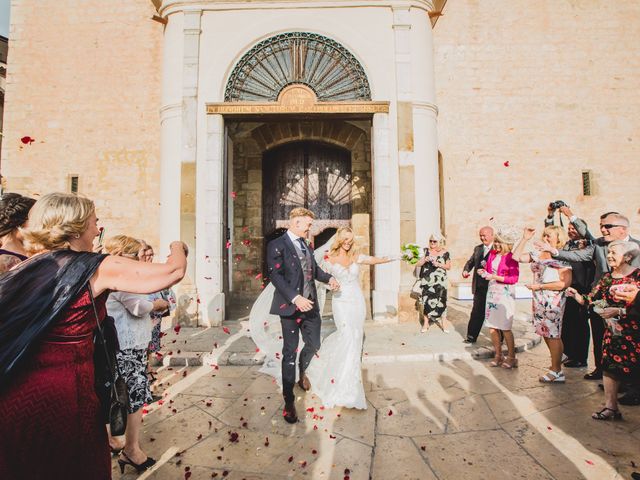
(293,271)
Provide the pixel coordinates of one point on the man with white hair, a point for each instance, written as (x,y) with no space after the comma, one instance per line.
(613,226)
(479,285)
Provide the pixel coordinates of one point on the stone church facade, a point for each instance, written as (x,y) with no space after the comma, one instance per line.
(210,122)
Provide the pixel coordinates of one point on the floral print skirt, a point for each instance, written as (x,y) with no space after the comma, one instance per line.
(548,310)
(500,306)
(621,350)
(132,365)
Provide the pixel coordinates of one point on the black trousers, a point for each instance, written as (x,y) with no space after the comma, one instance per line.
(575,331)
(477,313)
(308,324)
(597,334)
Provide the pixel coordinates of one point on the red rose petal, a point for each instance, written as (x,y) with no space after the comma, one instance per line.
(506,164)
(234,195)
(290,459)
(310,409)
(390,413)
(589,462)
(177,329)
(226,330)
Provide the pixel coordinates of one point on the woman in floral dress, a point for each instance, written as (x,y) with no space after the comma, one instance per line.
(621,344)
(550,280)
(432,271)
(502,272)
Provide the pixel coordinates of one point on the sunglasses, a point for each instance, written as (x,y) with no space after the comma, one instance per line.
(433,241)
(609,226)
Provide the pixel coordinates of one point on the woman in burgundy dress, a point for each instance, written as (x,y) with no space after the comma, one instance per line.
(51,423)
(14,210)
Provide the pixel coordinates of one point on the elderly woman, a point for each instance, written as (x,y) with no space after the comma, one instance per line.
(14,211)
(621,344)
(132,316)
(432,271)
(51,424)
(502,271)
(550,279)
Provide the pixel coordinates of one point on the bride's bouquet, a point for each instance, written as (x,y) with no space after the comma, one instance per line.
(411,253)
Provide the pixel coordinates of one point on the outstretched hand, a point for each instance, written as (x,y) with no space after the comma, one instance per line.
(543,246)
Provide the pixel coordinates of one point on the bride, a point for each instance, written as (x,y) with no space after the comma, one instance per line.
(335,372)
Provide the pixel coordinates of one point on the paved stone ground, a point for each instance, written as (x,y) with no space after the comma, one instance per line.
(454,419)
(382,343)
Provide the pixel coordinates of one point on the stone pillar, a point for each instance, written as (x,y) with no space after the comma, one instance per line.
(190,67)
(210,249)
(385,221)
(170,135)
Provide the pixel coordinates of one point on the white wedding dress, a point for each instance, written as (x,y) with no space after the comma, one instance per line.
(335,372)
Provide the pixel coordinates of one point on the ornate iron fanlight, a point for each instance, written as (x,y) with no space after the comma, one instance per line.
(318,62)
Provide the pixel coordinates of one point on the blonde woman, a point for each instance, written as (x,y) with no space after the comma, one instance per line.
(47,322)
(432,271)
(131,313)
(550,280)
(502,272)
(334,372)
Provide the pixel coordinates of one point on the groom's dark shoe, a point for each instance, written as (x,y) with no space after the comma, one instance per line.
(304,383)
(289,412)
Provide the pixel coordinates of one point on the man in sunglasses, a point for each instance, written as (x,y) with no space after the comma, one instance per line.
(613,226)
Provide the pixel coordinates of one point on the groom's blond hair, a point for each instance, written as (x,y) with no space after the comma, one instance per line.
(301,212)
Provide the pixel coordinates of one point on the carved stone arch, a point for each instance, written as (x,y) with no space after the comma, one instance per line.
(342,134)
(320,63)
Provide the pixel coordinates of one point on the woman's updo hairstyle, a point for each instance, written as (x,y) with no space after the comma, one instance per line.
(123,245)
(55,220)
(14,212)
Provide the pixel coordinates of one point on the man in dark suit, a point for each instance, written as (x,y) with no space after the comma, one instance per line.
(478,284)
(293,271)
(613,226)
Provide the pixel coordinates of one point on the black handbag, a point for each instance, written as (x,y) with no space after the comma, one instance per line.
(111,388)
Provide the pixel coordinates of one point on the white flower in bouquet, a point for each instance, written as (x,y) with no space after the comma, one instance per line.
(411,253)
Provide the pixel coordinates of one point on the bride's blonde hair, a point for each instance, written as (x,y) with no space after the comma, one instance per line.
(341,236)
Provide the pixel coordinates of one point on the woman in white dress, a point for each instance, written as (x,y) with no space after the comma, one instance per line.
(335,372)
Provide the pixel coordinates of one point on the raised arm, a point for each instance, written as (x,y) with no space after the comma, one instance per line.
(519,254)
(126,275)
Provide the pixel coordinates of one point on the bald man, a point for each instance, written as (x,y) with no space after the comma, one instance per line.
(478,284)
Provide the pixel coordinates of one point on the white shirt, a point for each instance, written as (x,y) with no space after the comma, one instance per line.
(131,313)
(486,249)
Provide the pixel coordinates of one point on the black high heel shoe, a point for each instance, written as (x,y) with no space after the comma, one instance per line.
(148,463)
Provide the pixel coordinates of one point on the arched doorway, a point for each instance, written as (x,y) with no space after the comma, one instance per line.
(307,174)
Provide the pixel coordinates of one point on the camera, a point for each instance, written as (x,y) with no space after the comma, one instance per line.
(557,204)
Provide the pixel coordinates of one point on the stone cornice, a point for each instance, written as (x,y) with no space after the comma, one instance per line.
(171,6)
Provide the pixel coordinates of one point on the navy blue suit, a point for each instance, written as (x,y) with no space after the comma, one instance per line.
(286,273)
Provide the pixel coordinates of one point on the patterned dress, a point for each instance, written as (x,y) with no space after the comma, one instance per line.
(434,288)
(621,344)
(501,302)
(547,305)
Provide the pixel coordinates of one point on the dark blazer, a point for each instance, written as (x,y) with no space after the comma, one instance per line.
(596,252)
(285,272)
(474,264)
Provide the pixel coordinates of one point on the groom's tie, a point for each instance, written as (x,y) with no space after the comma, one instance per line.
(303,246)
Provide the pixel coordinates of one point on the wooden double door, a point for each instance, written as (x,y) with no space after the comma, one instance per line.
(312,175)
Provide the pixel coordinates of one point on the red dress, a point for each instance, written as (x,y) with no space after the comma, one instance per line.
(50,424)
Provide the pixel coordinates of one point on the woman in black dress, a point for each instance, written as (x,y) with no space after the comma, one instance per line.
(432,271)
